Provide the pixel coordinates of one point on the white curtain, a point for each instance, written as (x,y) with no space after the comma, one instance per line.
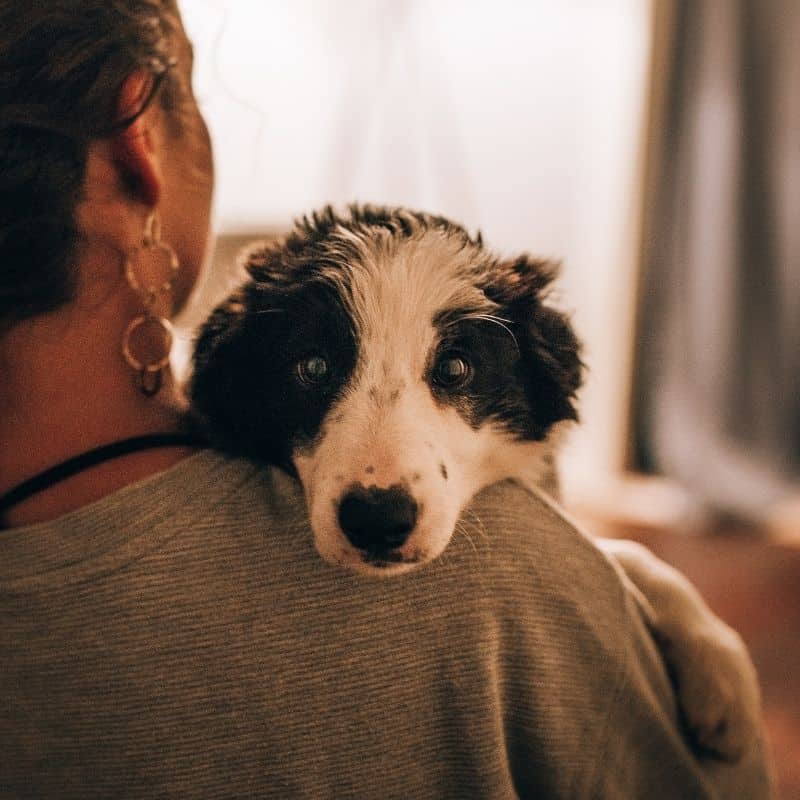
(521,118)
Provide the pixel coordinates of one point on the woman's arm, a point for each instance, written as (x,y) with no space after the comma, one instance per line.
(609,681)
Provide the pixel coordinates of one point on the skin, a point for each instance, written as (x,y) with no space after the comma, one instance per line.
(66,387)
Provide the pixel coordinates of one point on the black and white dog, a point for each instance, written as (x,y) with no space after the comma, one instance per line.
(397,367)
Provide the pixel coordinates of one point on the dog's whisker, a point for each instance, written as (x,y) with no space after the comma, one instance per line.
(269,311)
(478,525)
(462,530)
(462,527)
(500,322)
(473,563)
(484,317)
(447,560)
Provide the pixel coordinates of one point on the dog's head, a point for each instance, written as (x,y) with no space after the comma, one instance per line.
(396,366)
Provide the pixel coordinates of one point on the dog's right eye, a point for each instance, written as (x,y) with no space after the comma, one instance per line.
(452,371)
(312,371)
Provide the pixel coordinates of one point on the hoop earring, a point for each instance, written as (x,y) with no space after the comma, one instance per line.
(148,375)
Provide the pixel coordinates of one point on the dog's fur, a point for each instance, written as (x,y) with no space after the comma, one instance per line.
(397,367)
(384,296)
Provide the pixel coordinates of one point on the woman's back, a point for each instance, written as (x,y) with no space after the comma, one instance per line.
(182,638)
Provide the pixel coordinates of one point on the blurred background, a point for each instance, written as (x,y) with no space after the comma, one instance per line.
(653,146)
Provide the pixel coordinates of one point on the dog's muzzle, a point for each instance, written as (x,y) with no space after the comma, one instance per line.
(377,520)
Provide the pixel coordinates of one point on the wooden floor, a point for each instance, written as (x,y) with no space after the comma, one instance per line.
(753,585)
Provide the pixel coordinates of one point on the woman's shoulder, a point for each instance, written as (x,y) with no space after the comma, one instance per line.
(528,535)
(515,545)
(196,497)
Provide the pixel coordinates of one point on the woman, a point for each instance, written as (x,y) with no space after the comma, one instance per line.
(166,628)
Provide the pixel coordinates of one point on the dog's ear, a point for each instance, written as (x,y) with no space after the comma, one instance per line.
(550,353)
(219,361)
(551,358)
(284,263)
(226,383)
(265,261)
(520,279)
(231,377)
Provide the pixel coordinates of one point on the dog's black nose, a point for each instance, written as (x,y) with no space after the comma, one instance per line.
(375,519)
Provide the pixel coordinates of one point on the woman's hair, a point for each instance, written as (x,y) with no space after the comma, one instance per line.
(62,66)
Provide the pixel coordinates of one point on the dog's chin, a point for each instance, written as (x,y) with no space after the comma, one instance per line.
(380,567)
(382,564)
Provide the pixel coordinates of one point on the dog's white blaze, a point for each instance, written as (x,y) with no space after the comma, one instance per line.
(387,428)
(396,286)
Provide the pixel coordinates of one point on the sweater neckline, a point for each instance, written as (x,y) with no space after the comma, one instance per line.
(105,534)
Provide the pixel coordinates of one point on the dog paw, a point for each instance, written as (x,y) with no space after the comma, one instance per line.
(716,684)
(718,691)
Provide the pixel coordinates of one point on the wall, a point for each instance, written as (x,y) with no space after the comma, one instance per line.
(523,119)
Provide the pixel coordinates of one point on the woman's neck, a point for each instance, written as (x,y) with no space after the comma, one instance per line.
(65,389)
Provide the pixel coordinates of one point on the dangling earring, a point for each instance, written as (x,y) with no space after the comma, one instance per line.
(163,264)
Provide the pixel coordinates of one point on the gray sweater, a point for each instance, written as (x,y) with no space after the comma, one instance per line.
(181,638)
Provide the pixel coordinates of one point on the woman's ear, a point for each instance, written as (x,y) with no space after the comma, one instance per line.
(135,148)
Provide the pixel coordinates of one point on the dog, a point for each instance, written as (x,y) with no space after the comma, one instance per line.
(395,366)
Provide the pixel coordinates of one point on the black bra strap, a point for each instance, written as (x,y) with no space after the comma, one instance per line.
(72,466)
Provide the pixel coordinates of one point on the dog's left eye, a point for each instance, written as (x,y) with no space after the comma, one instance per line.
(452,371)
(312,371)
